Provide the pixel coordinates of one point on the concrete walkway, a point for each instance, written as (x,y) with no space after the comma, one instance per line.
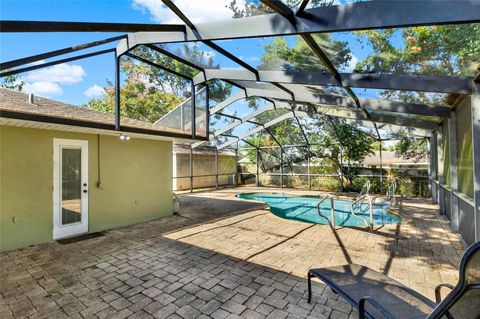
(221,258)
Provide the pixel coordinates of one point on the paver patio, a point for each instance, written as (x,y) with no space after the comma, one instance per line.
(221,258)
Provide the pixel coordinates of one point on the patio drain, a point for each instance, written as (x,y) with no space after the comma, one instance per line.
(75,239)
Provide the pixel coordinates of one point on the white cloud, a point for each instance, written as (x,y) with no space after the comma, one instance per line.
(195,10)
(46,82)
(60,73)
(94,91)
(352,63)
(46,89)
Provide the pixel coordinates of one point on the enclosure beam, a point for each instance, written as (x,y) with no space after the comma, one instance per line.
(216,168)
(9,26)
(309,181)
(440,167)
(178,13)
(193,121)
(47,64)
(301,7)
(433,167)
(424,83)
(256,167)
(236,165)
(381,168)
(281,167)
(230,100)
(349,118)
(51,54)
(356,16)
(161,67)
(285,11)
(307,96)
(258,129)
(191,170)
(117,93)
(476,159)
(452,149)
(232,57)
(325,100)
(176,57)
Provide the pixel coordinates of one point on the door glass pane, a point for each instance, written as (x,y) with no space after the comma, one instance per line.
(71,186)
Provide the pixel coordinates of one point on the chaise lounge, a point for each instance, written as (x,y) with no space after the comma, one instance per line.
(376,295)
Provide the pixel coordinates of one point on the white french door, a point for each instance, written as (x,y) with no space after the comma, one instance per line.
(70,187)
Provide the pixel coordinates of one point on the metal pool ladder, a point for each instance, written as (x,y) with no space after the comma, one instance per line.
(360,201)
(332,207)
(392,188)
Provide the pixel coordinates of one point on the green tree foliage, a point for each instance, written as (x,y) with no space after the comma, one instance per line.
(148,92)
(445,50)
(13,82)
(434,50)
(409,147)
(255,7)
(343,146)
(281,54)
(138,101)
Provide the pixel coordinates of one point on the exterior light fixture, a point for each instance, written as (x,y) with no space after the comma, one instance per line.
(124,137)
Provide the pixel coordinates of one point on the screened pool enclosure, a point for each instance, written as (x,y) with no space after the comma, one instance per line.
(245,119)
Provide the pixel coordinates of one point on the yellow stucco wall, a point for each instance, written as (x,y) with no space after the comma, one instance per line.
(136,178)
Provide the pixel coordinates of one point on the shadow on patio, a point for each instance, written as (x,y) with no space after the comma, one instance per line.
(222,256)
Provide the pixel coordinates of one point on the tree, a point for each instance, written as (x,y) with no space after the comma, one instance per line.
(148,92)
(13,82)
(138,101)
(410,148)
(252,8)
(442,50)
(343,146)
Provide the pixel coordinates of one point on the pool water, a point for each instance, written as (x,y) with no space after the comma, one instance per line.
(304,209)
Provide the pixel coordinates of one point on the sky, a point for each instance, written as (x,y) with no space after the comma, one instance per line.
(79,81)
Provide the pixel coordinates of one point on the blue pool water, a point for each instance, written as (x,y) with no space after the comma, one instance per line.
(304,208)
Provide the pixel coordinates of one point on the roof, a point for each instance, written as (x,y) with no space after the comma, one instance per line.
(389,158)
(16,101)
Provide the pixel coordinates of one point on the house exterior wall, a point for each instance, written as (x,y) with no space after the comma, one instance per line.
(135,180)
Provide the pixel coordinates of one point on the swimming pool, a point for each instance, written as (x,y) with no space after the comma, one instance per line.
(304,209)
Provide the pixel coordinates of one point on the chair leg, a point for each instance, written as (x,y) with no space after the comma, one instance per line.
(309,276)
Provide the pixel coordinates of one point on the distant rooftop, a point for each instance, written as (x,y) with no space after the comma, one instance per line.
(389,158)
(15,101)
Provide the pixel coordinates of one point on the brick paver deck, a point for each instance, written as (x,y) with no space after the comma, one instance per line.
(221,258)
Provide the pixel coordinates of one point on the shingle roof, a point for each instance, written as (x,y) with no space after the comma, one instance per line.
(389,158)
(15,101)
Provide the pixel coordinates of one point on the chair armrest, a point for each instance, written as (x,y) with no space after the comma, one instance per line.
(374,303)
(438,296)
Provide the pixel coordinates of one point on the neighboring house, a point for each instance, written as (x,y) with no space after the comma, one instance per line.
(389,160)
(60,180)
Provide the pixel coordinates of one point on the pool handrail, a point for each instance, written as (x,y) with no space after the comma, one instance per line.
(332,207)
(359,202)
(392,188)
(365,188)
